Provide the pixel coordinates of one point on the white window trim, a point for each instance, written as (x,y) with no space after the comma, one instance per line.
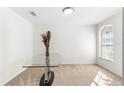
(109,60)
(99,47)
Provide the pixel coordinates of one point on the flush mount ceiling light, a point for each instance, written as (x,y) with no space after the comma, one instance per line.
(68,10)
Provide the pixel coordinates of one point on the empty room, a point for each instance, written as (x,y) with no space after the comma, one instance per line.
(61,46)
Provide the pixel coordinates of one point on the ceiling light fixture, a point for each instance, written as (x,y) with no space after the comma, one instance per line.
(32,13)
(68,10)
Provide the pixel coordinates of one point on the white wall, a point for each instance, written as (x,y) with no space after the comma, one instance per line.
(116,65)
(123,45)
(16,44)
(75,43)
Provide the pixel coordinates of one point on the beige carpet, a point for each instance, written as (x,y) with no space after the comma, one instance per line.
(69,75)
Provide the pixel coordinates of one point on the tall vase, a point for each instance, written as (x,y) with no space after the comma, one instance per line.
(47,59)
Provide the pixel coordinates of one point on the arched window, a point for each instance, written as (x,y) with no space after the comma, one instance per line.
(106,42)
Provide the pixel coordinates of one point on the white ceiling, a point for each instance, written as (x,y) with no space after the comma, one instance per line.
(54,15)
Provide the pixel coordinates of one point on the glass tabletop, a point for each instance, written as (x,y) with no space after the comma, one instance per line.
(40,61)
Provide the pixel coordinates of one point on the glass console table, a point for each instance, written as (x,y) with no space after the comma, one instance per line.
(40,61)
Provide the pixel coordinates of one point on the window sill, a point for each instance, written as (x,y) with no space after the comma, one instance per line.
(105,59)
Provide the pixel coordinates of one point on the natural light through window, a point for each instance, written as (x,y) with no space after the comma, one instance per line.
(101,79)
(106,43)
